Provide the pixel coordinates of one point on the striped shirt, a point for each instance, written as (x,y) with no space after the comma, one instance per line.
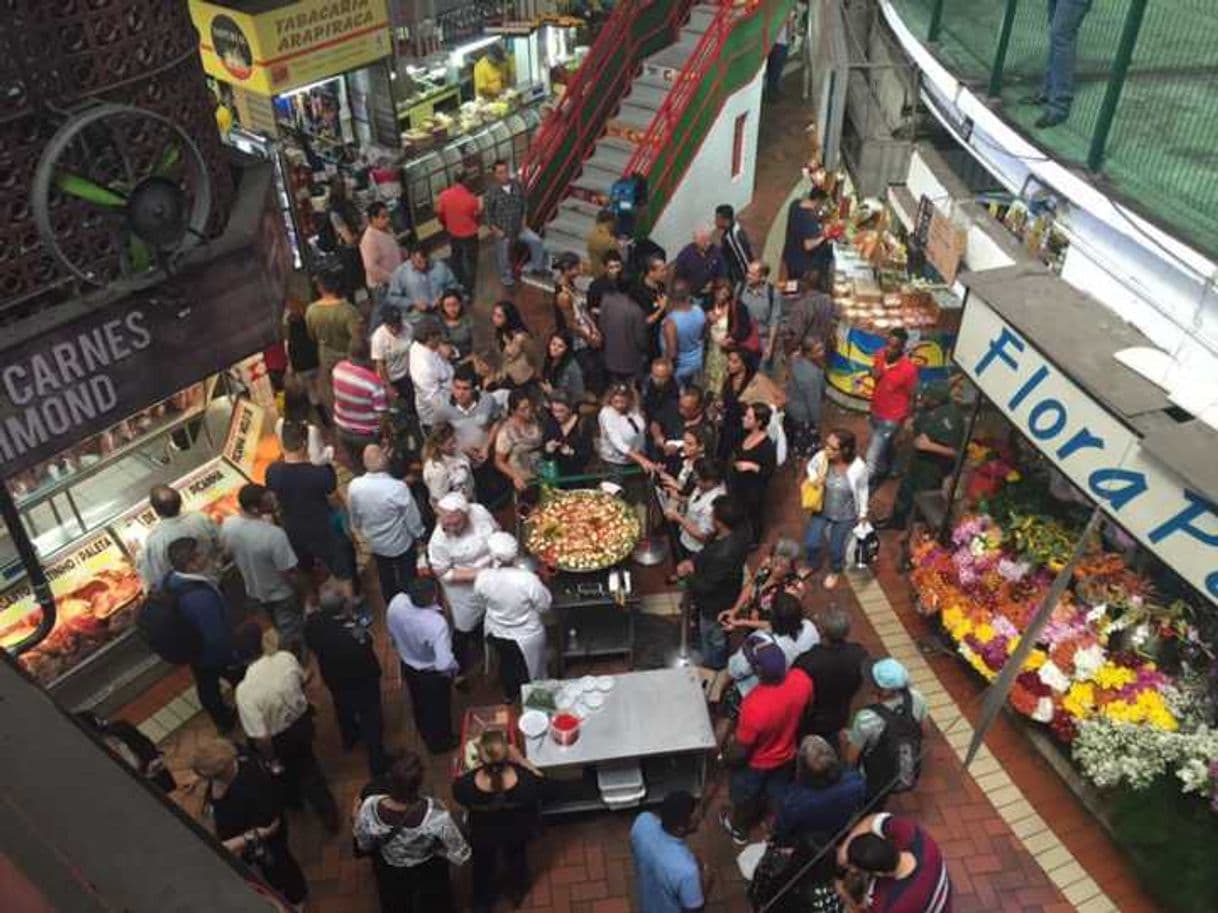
(359,399)
(927,889)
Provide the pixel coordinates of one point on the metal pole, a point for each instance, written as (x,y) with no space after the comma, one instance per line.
(1004,41)
(1116,83)
(958,469)
(33,567)
(936,21)
(996,694)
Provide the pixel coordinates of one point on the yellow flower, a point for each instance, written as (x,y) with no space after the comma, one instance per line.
(952,616)
(1013,476)
(985,632)
(1079,701)
(1035,660)
(1112,677)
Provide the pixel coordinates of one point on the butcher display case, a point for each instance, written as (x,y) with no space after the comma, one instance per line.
(87,513)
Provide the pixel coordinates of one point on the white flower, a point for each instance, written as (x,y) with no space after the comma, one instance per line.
(1140,633)
(1088,661)
(1054,677)
(1043,713)
(1097,613)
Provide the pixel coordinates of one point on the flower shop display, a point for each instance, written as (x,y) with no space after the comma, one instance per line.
(1098,676)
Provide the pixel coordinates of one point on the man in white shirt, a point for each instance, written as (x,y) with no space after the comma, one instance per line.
(421,636)
(152,562)
(459,549)
(276,716)
(391,353)
(430,372)
(267,563)
(383,511)
(513,599)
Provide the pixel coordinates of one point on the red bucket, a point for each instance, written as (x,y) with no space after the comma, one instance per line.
(564,729)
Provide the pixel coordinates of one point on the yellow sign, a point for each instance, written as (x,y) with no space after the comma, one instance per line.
(291,45)
(244,433)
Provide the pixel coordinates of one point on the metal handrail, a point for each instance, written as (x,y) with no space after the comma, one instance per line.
(589,100)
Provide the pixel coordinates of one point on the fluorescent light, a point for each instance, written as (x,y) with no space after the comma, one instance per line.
(312,85)
(460,53)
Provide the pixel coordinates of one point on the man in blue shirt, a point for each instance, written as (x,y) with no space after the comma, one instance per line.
(420,633)
(823,799)
(700,263)
(667,874)
(415,288)
(203,605)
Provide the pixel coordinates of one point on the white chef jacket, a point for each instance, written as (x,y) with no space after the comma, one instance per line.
(699,510)
(432,376)
(446,553)
(514,600)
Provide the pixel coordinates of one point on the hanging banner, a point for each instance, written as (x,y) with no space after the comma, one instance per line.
(290,44)
(1096,451)
(244,432)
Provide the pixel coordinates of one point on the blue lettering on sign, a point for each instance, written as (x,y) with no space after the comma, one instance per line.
(1081,439)
(1211,584)
(1183,521)
(998,350)
(1056,423)
(1117,486)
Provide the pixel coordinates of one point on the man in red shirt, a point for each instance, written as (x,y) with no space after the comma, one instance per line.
(896,381)
(762,751)
(902,867)
(458,211)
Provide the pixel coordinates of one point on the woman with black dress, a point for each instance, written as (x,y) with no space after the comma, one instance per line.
(567,436)
(753,462)
(248,815)
(503,797)
(560,372)
(411,839)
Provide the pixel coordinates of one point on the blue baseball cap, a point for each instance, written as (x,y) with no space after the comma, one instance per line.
(889,674)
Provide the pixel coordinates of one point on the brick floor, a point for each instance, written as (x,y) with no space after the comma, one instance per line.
(582,864)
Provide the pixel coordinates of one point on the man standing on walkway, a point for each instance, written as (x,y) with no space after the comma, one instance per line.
(332,322)
(836,665)
(896,382)
(458,210)
(424,644)
(938,433)
(736,250)
(757,293)
(267,563)
(361,403)
(885,738)
(668,876)
(506,212)
(1057,90)
(201,602)
(349,667)
(418,284)
(276,715)
(384,512)
(379,250)
(153,562)
(699,263)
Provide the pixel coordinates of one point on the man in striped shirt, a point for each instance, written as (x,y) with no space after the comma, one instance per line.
(360,401)
(902,867)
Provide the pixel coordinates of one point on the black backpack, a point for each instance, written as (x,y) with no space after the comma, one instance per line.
(166,629)
(894,763)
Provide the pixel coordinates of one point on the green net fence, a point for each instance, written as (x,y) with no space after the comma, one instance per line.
(1159,153)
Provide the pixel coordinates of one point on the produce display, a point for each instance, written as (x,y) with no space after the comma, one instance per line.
(1120,674)
(582,531)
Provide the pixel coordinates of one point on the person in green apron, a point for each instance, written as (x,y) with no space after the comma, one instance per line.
(938,434)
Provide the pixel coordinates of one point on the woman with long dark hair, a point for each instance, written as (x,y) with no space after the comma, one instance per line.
(503,797)
(514,343)
(561,371)
(752,465)
(842,473)
(347,225)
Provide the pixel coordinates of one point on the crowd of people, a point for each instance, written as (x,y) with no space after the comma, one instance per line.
(701,374)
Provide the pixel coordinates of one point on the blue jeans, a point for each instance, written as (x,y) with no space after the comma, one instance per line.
(838,532)
(503,253)
(1065,19)
(879,447)
(712,642)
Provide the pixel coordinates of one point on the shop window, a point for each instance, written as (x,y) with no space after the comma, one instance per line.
(738,146)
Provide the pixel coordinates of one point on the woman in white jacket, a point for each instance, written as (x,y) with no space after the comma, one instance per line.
(843,473)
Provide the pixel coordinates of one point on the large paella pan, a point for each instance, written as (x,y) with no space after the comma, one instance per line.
(582,530)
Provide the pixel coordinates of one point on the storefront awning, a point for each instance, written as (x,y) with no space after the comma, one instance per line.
(1081,337)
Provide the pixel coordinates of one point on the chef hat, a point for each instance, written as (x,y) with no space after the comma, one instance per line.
(503,547)
(454,500)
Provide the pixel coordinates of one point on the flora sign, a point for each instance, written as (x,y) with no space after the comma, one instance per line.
(1096,451)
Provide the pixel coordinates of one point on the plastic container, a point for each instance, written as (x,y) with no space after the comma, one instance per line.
(621,783)
(564,729)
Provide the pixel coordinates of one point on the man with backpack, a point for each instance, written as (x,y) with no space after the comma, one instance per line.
(186,623)
(885,737)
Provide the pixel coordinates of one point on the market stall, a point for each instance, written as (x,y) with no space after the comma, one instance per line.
(875,291)
(1119,668)
(618,741)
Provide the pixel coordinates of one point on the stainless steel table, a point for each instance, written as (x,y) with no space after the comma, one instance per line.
(658,718)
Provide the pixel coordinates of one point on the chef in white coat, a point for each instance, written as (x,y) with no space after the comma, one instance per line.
(458,550)
(514,599)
